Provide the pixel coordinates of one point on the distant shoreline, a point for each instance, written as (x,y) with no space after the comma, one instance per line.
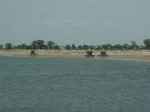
(120,55)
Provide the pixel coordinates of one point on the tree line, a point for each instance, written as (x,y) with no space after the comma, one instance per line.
(41,44)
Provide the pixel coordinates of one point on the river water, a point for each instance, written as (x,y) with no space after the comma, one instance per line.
(73,84)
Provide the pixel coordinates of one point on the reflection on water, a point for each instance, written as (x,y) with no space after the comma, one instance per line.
(73,84)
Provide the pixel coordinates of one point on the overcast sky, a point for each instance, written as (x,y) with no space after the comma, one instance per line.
(91,22)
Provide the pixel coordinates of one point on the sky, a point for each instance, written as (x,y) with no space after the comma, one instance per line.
(92,22)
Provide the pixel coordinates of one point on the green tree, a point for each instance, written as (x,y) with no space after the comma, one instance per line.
(98,47)
(68,47)
(29,47)
(147,43)
(56,47)
(125,46)
(18,47)
(117,46)
(80,47)
(23,46)
(106,46)
(50,44)
(141,47)
(1,46)
(73,47)
(14,47)
(34,45)
(133,44)
(85,47)
(40,44)
(8,46)
(92,47)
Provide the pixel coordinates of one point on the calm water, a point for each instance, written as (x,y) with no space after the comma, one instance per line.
(73,84)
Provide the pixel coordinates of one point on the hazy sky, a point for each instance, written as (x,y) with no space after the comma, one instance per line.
(92,22)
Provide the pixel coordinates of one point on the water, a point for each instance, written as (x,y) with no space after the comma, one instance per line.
(73,84)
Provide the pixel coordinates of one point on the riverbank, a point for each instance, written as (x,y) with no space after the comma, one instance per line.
(129,55)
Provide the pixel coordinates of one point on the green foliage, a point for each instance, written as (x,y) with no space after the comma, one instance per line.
(23,46)
(50,44)
(147,43)
(98,47)
(29,47)
(8,46)
(1,46)
(133,44)
(117,46)
(73,47)
(56,47)
(125,46)
(34,45)
(40,44)
(85,47)
(106,46)
(92,47)
(68,47)
(80,47)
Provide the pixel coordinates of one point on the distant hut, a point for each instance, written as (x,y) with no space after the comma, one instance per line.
(89,53)
(103,54)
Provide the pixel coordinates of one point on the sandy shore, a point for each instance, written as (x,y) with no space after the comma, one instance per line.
(126,55)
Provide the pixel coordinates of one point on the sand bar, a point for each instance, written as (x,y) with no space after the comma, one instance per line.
(126,55)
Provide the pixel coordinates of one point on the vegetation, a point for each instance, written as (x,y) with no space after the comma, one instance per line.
(147,43)
(8,46)
(1,46)
(40,44)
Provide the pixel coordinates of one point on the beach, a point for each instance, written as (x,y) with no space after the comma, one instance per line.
(125,55)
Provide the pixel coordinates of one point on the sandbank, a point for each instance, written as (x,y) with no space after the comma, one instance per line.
(125,55)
